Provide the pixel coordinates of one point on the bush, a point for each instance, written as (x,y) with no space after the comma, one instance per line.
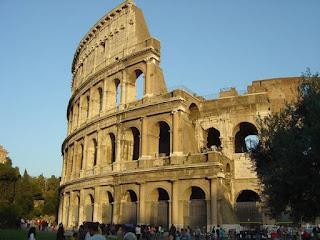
(9,214)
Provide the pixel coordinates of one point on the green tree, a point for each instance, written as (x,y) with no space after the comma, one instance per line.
(287,158)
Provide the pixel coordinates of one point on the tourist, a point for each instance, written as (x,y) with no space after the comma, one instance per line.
(94,232)
(32,233)
(60,232)
(81,233)
(138,232)
(128,235)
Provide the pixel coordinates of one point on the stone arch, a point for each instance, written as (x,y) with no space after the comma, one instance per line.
(111,148)
(76,210)
(242,133)
(113,93)
(92,153)
(195,207)
(247,206)
(164,145)
(160,207)
(194,112)
(89,207)
(107,207)
(139,84)
(213,139)
(131,144)
(129,207)
(80,157)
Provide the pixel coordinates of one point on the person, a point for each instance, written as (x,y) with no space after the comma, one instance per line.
(82,233)
(138,232)
(60,232)
(127,234)
(94,232)
(32,233)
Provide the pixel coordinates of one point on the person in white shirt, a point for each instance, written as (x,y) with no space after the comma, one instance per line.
(32,233)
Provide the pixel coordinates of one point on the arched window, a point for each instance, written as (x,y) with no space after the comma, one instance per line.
(112,147)
(164,139)
(136,143)
(95,152)
(88,106)
(194,112)
(100,92)
(246,137)
(139,84)
(197,193)
(117,92)
(197,208)
(213,138)
(81,156)
(247,207)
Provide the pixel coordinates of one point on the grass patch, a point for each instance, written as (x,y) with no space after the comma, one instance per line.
(12,234)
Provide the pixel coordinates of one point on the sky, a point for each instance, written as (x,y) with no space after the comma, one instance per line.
(206,45)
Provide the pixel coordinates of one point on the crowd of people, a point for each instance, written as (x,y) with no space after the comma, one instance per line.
(97,231)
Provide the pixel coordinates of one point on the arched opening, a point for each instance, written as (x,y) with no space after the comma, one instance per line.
(129,207)
(136,143)
(95,151)
(111,148)
(196,216)
(107,208)
(117,92)
(194,112)
(89,206)
(164,139)
(160,208)
(100,92)
(139,84)
(213,139)
(245,138)
(88,106)
(81,156)
(247,207)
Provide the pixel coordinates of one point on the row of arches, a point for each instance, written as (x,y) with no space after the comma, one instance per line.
(195,208)
(104,151)
(106,95)
(245,138)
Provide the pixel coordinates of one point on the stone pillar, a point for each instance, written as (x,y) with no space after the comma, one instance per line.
(61,212)
(214,201)
(116,204)
(176,133)
(175,204)
(144,139)
(105,96)
(142,205)
(82,206)
(118,144)
(97,214)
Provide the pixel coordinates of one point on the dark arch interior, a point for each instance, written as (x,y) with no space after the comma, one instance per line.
(88,106)
(113,147)
(133,196)
(194,112)
(228,169)
(91,199)
(245,129)
(213,138)
(136,143)
(100,98)
(81,156)
(248,196)
(197,193)
(163,195)
(95,152)
(164,139)
(110,198)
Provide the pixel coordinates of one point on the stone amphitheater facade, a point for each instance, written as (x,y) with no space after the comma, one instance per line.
(161,157)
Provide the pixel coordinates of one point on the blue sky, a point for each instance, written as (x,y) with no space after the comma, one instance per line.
(206,45)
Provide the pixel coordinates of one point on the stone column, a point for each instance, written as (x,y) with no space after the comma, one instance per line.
(214,201)
(61,212)
(82,207)
(105,96)
(176,133)
(142,205)
(144,139)
(97,214)
(175,203)
(116,204)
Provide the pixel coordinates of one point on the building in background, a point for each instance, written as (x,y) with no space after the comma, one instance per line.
(3,155)
(138,153)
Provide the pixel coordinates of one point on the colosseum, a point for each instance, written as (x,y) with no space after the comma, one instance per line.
(140,154)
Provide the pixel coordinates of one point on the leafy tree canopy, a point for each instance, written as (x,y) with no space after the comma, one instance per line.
(287,158)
